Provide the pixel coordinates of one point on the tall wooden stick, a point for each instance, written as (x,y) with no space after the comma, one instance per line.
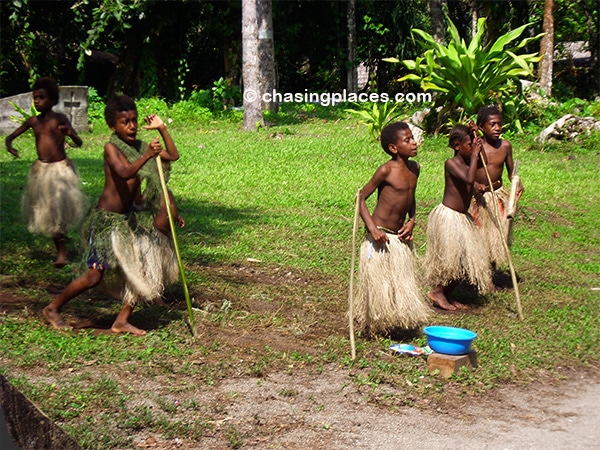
(498,224)
(351,288)
(176,245)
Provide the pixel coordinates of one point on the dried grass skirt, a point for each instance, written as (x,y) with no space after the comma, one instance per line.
(144,257)
(389,293)
(456,250)
(53,202)
(484,211)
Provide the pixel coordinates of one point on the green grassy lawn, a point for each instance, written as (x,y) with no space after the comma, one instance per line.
(285,196)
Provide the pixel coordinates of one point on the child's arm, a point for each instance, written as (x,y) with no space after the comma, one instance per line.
(19,131)
(156,123)
(457,171)
(406,232)
(378,178)
(65,127)
(126,170)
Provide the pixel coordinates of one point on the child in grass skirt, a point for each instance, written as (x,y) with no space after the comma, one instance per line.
(122,235)
(53,201)
(456,250)
(389,295)
(485,210)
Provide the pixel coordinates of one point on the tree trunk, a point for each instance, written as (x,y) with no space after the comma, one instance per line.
(547,48)
(250,66)
(266,52)
(474,19)
(352,74)
(437,20)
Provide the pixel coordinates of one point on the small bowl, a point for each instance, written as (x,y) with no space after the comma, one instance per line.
(449,340)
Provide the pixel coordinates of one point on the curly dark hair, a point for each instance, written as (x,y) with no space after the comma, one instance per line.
(117,104)
(487,111)
(458,132)
(50,86)
(389,134)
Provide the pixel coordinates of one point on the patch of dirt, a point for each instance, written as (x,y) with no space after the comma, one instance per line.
(327,409)
(328,412)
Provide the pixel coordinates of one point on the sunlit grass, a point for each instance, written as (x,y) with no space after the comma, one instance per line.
(285,196)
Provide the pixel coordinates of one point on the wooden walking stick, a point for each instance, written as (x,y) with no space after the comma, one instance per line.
(513,198)
(515,180)
(176,245)
(498,224)
(351,288)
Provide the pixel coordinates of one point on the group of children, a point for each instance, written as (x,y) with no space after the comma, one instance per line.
(464,232)
(129,230)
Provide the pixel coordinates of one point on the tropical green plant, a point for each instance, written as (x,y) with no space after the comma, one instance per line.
(24,113)
(467,77)
(226,92)
(375,115)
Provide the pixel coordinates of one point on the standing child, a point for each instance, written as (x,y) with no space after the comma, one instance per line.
(53,201)
(497,153)
(389,295)
(455,247)
(120,232)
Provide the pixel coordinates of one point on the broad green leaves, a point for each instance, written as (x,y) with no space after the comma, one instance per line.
(469,77)
(376,115)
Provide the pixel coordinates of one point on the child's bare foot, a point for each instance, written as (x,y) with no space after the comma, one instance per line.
(61,261)
(441,301)
(159,302)
(460,305)
(55,319)
(127,328)
(61,248)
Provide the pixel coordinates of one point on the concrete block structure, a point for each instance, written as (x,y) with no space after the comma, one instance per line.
(72,101)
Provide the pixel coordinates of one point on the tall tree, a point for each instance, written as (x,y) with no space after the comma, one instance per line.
(250,66)
(266,52)
(352,72)
(547,48)
(437,20)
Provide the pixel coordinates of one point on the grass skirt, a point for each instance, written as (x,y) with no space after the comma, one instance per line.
(456,250)
(143,256)
(389,293)
(53,202)
(484,210)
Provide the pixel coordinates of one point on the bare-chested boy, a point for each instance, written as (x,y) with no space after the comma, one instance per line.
(390,295)
(497,154)
(53,200)
(121,232)
(455,247)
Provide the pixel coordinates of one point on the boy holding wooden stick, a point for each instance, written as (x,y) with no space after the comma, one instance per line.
(127,229)
(389,294)
(490,215)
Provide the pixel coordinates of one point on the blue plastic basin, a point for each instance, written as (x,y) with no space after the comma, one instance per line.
(449,340)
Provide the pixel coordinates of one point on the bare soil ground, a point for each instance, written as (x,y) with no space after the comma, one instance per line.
(300,409)
(329,412)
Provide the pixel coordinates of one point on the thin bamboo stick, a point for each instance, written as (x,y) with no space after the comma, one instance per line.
(498,224)
(176,245)
(351,288)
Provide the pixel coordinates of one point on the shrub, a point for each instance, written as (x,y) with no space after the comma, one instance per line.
(466,78)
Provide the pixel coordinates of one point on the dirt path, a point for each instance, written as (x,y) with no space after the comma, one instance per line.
(328,413)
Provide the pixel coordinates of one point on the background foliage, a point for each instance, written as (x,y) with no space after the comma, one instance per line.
(169,49)
(469,75)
